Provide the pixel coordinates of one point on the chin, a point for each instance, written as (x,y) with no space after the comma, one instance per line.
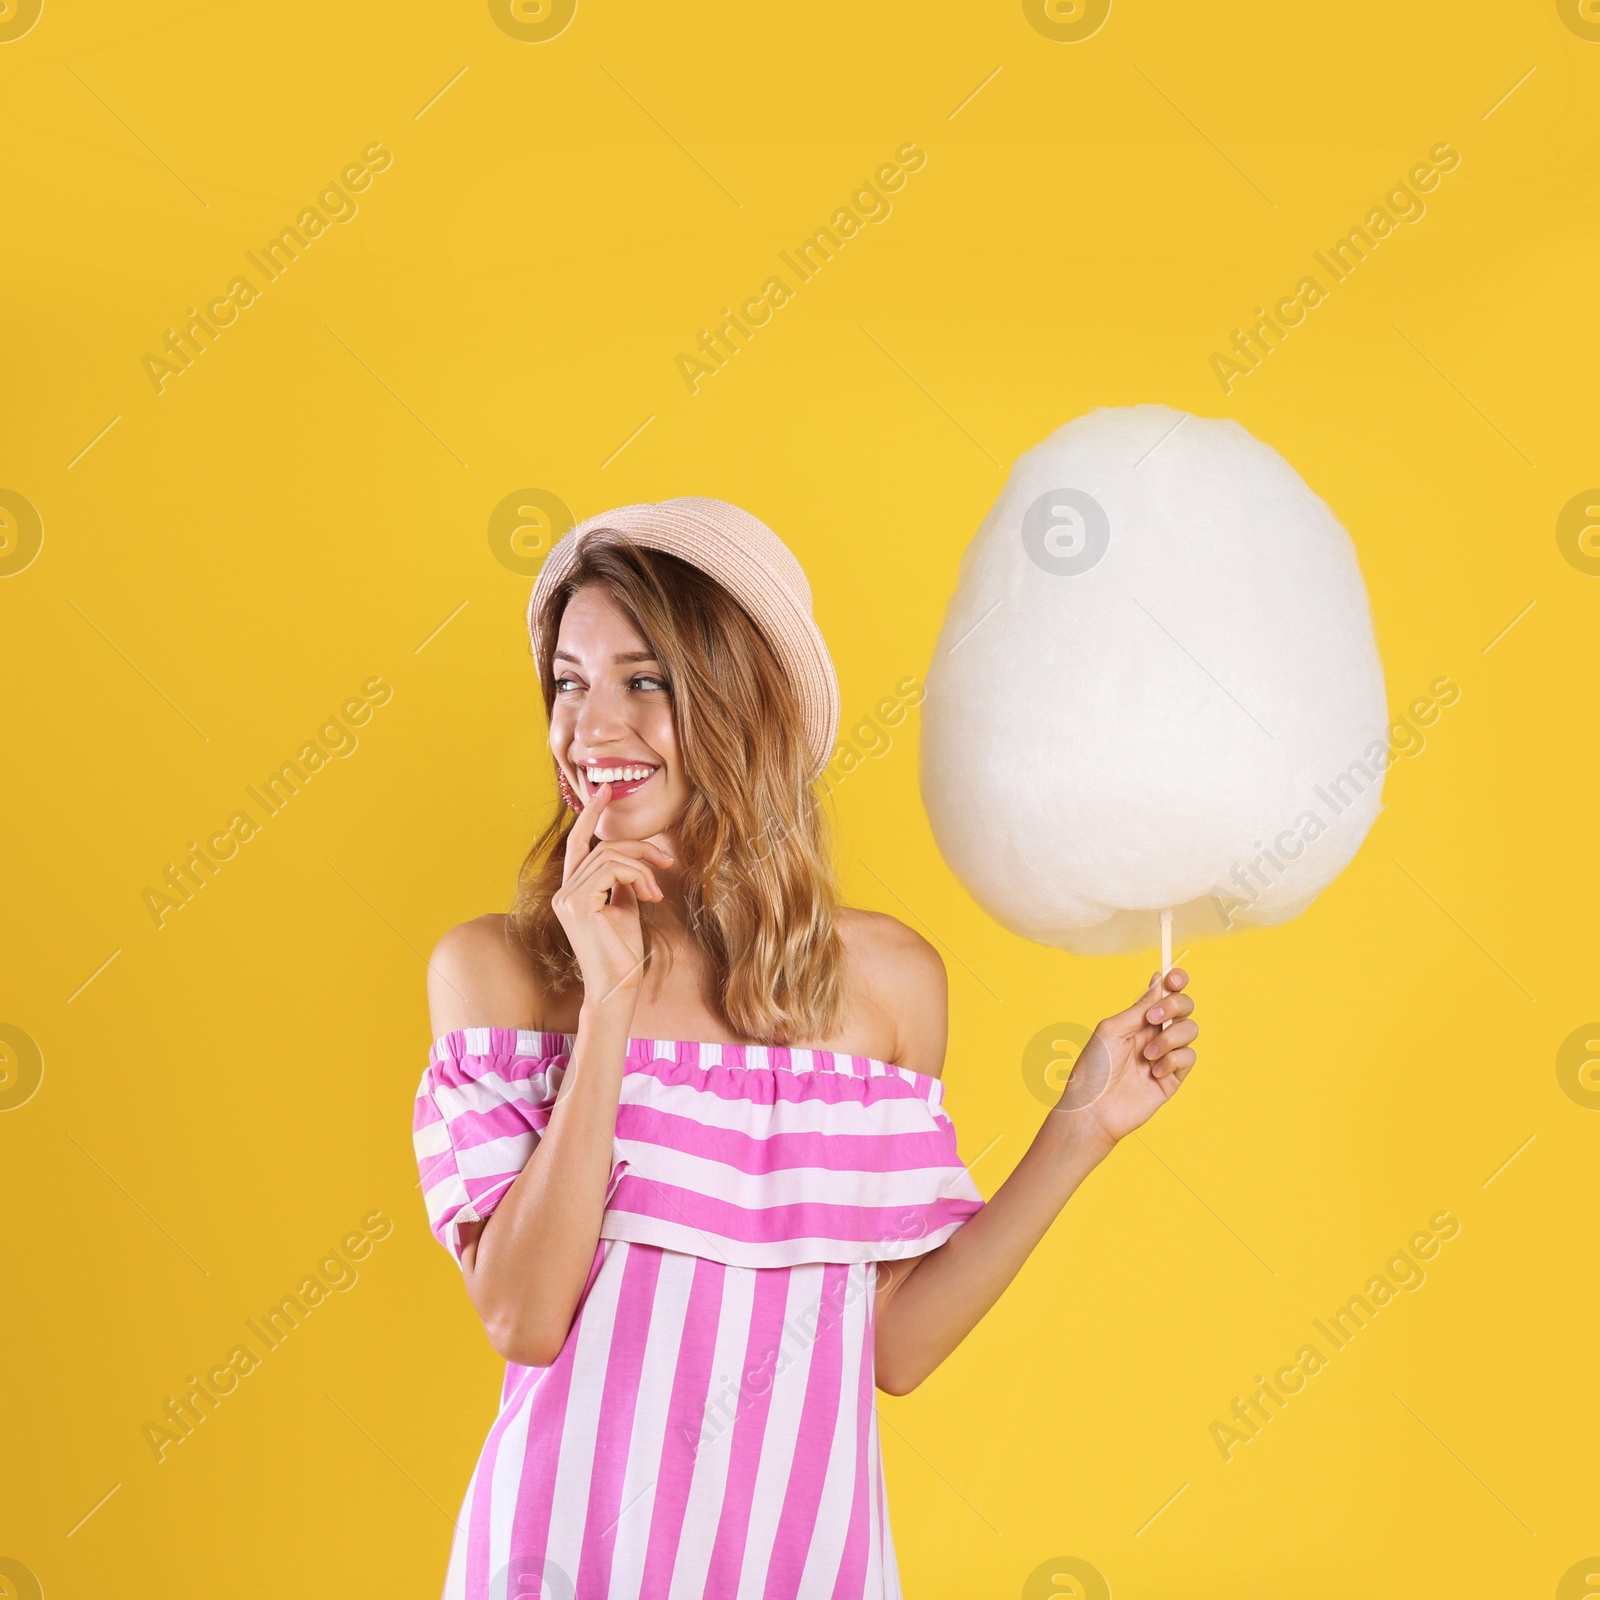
(622,822)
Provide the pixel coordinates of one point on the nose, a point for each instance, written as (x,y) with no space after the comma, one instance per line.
(600,721)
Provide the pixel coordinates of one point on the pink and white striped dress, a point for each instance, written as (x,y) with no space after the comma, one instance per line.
(709,1428)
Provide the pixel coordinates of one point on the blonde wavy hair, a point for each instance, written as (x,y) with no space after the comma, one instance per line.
(753,837)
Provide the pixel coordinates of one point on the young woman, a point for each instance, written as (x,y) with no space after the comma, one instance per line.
(682,1126)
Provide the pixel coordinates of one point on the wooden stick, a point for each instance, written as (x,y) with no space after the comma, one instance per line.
(1166,958)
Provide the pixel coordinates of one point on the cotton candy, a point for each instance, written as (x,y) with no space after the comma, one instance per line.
(1156,686)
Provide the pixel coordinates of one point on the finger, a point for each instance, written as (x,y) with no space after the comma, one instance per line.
(1182,1064)
(1130,1021)
(1162,991)
(1180,1033)
(634,850)
(1174,1005)
(602,871)
(640,849)
(615,894)
(1158,1052)
(582,834)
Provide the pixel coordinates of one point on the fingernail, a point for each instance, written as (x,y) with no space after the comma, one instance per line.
(1155,1013)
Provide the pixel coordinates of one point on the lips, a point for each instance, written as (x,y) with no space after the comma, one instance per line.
(638,774)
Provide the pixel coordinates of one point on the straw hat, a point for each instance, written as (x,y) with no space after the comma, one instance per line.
(753,564)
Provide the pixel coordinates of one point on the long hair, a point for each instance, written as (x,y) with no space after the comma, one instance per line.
(753,838)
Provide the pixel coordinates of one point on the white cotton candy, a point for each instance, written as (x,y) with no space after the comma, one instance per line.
(1174,701)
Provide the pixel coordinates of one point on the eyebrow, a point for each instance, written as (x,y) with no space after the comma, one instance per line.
(627,655)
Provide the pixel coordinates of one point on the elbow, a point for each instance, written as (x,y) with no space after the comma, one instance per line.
(902,1357)
(898,1364)
(897,1381)
(528,1336)
(513,1340)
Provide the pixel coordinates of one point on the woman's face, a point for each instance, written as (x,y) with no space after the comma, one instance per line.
(612,718)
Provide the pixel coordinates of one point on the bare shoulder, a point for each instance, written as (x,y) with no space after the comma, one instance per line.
(899,982)
(479,976)
(876,939)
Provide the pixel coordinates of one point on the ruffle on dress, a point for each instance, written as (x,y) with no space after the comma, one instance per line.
(751,1155)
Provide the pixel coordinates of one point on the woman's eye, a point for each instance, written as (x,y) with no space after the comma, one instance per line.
(646,681)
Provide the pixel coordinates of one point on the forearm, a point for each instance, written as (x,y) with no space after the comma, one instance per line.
(928,1310)
(532,1257)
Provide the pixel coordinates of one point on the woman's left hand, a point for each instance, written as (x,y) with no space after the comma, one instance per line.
(1130,1068)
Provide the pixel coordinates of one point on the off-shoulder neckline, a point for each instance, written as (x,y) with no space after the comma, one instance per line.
(642,1047)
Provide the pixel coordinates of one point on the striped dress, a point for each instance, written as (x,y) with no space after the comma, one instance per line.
(709,1427)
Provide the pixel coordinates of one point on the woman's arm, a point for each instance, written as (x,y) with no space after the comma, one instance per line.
(526,1266)
(927,1306)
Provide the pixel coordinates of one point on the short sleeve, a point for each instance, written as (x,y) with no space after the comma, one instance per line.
(484,1099)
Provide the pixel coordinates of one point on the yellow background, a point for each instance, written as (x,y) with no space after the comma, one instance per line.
(304,507)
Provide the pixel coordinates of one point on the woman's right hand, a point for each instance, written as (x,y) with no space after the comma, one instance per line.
(598,903)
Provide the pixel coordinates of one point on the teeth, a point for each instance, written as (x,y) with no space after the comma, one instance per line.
(599,775)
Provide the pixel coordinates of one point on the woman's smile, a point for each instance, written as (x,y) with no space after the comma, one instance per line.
(625,777)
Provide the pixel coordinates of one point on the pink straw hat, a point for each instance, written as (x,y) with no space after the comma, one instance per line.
(753,564)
